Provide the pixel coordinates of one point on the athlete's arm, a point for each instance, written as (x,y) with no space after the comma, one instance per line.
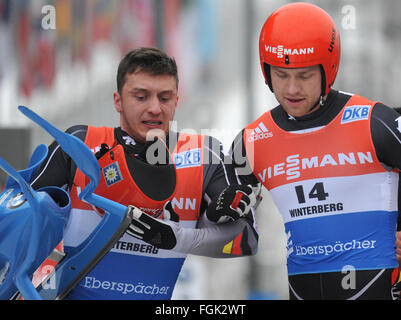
(240,161)
(386,137)
(58,169)
(227,240)
(224,240)
(218,172)
(220,181)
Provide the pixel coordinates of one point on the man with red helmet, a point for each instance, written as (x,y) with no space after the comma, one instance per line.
(330,160)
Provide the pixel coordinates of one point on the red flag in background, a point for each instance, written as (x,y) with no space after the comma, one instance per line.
(26,80)
(102,22)
(171,24)
(46,64)
(136,24)
(81,31)
(35,49)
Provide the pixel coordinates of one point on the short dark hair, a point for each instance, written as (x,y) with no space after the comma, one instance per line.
(146,59)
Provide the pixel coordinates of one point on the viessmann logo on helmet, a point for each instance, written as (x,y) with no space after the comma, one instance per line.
(281,51)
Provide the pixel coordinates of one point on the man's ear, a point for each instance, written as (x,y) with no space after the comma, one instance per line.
(117,101)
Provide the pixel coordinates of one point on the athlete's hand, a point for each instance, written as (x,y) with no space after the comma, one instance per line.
(398,245)
(233,202)
(157,232)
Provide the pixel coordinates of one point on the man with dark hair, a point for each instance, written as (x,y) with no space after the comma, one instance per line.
(191,186)
(149,60)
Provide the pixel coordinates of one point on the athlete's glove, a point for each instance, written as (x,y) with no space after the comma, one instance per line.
(233,202)
(157,232)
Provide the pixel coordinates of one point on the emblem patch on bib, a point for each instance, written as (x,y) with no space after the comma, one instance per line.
(112,174)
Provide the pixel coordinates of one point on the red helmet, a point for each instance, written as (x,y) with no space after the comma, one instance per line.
(300,35)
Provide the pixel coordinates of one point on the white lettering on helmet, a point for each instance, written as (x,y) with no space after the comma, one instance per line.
(281,51)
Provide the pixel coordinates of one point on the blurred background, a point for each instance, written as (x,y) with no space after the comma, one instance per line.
(60,57)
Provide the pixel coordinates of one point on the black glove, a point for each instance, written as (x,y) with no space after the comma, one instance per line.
(232,203)
(157,232)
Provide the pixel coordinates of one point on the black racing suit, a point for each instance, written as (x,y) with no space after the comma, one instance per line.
(386,136)
(58,169)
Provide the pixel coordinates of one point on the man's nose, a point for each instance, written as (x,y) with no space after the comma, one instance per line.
(154,106)
(293,86)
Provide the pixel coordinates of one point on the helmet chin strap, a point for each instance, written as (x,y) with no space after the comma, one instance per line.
(319,102)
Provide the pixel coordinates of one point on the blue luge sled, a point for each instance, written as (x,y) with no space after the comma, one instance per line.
(31,226)
(80,260)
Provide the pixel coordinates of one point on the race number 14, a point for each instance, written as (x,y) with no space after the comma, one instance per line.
(317,192)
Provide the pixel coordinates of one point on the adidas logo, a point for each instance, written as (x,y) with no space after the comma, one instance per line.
(260,133)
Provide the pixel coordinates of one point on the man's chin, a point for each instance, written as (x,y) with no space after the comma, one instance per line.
(155,133)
